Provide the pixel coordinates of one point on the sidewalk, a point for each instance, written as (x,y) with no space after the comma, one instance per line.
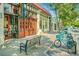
(12,48)
(51,36)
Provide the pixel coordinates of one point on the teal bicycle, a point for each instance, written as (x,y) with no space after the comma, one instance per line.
(64,39)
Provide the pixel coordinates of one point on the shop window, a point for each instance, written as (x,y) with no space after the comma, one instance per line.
(20,10)
(15,10)
(32,8)
(21,26)
(45,24)
(26,24)
(7,7)
(25,10)
(16,20)
(28,7)
(12,20)
(27,14)
(24,5)
(40,24)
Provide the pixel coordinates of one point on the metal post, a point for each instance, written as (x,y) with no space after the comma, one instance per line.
(21,46)
(26,46)
(75,48)
(39,40)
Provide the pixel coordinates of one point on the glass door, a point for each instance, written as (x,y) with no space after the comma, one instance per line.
(6,27)
(14,26)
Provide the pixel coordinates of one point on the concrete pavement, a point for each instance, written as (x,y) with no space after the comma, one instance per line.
(12,48)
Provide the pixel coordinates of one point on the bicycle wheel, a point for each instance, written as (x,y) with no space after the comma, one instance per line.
(57,43)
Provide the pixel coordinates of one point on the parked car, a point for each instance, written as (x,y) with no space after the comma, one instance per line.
(75,29)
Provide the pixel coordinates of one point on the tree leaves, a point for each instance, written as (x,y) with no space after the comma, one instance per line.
(66,11)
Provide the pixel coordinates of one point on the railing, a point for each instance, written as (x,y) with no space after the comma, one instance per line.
(29,43)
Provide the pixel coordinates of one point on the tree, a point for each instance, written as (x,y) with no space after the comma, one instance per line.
(66,12)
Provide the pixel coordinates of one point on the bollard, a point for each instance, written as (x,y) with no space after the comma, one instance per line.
(39,40)
(75,45)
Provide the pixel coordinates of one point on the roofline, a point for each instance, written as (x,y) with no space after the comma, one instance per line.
(42,8)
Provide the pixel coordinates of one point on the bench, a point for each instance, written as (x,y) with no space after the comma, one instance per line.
(30,42)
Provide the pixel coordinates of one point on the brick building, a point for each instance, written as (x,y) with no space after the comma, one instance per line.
(22,19)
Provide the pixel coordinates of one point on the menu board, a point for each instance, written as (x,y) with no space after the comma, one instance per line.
(1,25)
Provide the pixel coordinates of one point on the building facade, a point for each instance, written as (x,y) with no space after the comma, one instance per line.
(22,19)
(54,25)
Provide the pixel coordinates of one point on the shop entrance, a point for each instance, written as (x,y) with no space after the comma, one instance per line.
(31,26)
(14,26)
(6,27)
(10,26)
(26,27)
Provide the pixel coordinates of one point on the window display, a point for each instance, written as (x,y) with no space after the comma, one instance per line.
(10,20)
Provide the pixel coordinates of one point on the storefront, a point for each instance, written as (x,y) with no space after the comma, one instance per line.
(54,24)
(31,20)
(10,21)
(44,23)
(24,18)
(21,23)
(28,21)
(21,20)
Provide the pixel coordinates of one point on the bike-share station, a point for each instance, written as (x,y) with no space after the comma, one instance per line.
(65,40)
